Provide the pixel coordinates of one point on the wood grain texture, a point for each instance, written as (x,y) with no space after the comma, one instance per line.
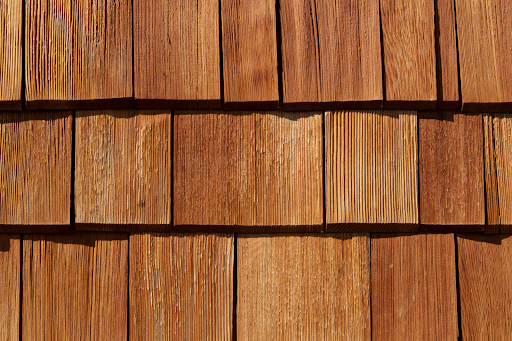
(248,171)
(502,129)
(408,43)
(249,49)
(11,22)
(414,294)
(295,287)
(78,54)
(485,287)
(176,53)
(10,287)
(75,287)
(484,30)
(181,287)
(371,174)
(491,177)
(331,54)
(123,167)
(447,61)
(451,171)
(35,171)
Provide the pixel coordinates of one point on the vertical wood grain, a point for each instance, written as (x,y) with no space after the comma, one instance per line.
(414,294)
(78,54)
(485,286)
(181,287)
(451,171)
(123,168)
(249,49)
(35,171)
(310,287)
(11,22)
(248,171)
(331,54)
(75,287)
(491,177)
(176,53)
(484,30)
(10,287)
(371,174)
(447,61)
(408,41)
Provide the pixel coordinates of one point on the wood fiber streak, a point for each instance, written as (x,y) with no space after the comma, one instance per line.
(177,52)
(10,263)
(123,167)
(451,169)
(75,287)
(35,170)
(484,29)
(408,42)
(491,177)
(297,287)
(11,19)
(331,53)
(249,48)
(485,286)
(181,287)
(78,53)
(414,293)
(371,174)
(447,62)
(502,124)
(249,171)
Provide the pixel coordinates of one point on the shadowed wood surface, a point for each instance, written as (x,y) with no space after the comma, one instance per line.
(78,54)
(408,44)
(11,54)
(10,263)
(414,293)
(491,177)
(331,53)
(485,286)
(451,170)
(35,170)
(447,61)
(176,53)
(371,175)
(484,29)
(248,171)
(75,286)
(249,49)
(123,167)
(181,287)
(303,287)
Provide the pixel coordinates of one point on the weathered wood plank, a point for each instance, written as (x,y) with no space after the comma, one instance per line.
(10,289)
(78,54)
(447,61)
(181,287)
(11,54)
(331,54)
(75,287)
(176,54)
(123,168)
(248,171)
(484,30)
(485,287)
(451,171)
(35,171)
(414,294)
(314,287)
(408,41)
(249,48)
(371,174)
(491,178)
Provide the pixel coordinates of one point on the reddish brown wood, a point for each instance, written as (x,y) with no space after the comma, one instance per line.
(491,180)
(451,171)
(10,286)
